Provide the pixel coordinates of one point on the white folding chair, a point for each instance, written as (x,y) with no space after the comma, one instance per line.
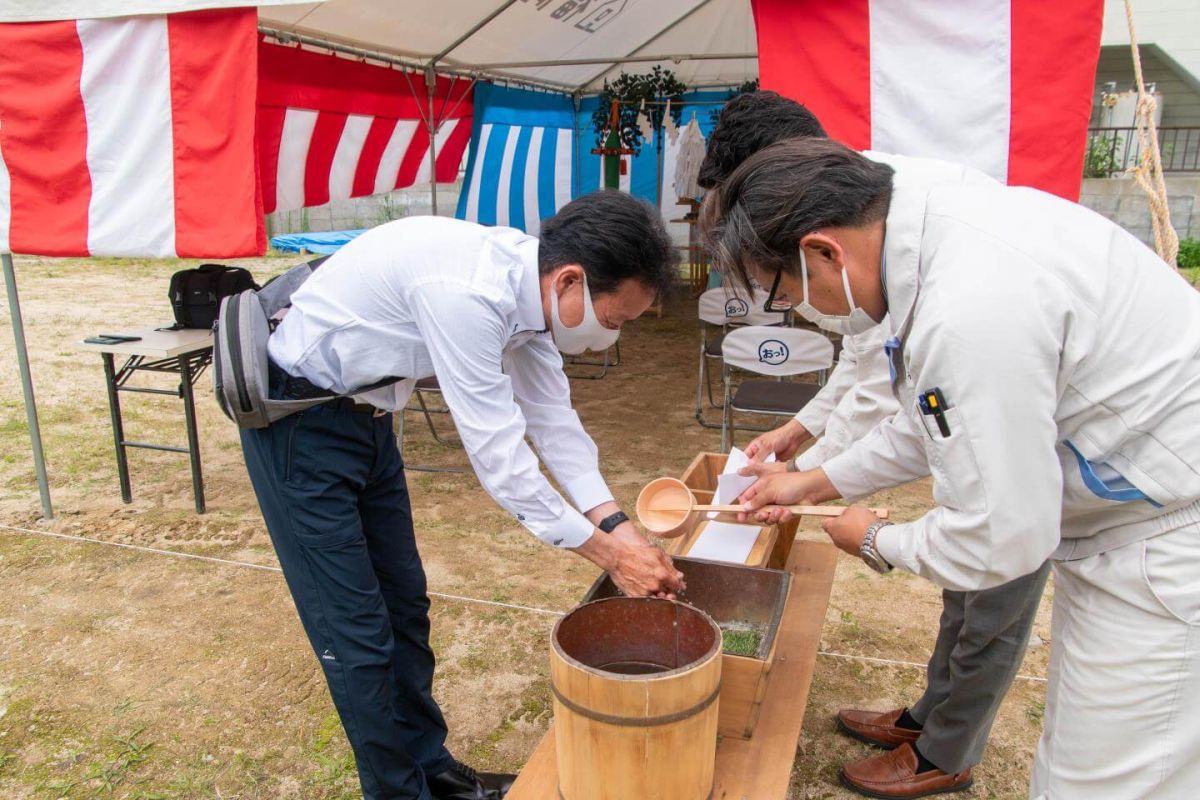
(720,308)
(778,352)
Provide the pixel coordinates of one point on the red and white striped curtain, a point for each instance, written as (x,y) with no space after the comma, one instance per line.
(330,128)
(130,137)
(1001,85)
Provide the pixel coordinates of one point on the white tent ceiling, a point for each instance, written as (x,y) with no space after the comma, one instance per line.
(565,44)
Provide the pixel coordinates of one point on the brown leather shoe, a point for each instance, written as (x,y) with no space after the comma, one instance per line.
(875,727)
(894,776)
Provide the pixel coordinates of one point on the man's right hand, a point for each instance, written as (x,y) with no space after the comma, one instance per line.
(638,568)
(784,441)
(773,489)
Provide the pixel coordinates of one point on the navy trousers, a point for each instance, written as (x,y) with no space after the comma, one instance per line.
(331,486)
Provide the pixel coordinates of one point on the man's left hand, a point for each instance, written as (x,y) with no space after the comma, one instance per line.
(850,528)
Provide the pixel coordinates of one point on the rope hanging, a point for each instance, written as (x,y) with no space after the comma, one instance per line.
(1148,171)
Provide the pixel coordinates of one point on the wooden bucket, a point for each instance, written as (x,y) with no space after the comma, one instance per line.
(635,684)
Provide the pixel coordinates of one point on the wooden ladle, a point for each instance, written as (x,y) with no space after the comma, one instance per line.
(666,507)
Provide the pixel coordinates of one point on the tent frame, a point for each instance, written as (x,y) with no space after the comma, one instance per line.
(31,415)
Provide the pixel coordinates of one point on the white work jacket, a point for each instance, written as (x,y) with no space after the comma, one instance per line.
(428,296)
(858,394)
(1068,357)
(856,397)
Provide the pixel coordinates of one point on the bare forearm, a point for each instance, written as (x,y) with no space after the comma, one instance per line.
(601,550)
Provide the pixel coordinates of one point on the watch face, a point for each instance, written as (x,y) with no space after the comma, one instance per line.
(875,562)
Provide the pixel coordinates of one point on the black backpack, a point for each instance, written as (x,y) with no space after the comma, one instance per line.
(196,294)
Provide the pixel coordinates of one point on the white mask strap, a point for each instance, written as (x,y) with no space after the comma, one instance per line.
(846,286)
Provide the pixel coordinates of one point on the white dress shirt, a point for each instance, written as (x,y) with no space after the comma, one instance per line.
(428,296)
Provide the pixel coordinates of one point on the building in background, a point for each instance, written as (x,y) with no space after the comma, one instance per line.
(1168,33)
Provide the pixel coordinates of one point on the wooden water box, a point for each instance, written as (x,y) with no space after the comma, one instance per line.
(774,542)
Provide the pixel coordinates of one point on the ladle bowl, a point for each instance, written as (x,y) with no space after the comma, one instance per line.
(665,507)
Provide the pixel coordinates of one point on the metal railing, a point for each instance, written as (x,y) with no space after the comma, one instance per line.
(1113,150)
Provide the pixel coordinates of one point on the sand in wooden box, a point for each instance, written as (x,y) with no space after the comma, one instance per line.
(739,599)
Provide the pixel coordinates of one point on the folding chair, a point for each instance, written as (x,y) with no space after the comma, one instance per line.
(719,308)
(570,361)
(423,387)
(778,352)
(429,386)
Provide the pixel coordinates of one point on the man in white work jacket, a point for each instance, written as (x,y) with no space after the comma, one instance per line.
(1048,370)
(487,311)
(982,635)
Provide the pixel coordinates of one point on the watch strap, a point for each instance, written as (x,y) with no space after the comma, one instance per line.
(610,523)
(869,552)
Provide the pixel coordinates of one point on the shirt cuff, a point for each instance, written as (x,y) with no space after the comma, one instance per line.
(588,491)
(891,543)
(813,420)
(847,476)
(812,457)
(571,530)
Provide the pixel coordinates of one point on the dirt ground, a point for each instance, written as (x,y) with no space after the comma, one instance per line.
(129,674)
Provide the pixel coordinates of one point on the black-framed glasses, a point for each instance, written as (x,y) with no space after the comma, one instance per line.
(770,306)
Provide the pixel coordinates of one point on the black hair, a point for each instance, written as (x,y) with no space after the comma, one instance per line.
(614,237)
(785,192)
(748,123)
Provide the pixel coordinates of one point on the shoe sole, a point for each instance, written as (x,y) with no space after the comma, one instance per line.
(853,734)
(868,793)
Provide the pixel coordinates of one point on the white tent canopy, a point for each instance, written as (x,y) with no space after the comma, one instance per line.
(570,45)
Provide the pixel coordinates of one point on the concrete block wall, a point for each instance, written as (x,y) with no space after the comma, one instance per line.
(1123,201)
(365,212)
(1118,198)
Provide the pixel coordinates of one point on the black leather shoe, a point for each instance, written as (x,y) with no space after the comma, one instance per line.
(460,782)
(498,781)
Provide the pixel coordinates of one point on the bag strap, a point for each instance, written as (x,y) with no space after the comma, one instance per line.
(276,294)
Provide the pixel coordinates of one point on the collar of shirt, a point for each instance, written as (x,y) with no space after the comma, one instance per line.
(529,316)
(902,254)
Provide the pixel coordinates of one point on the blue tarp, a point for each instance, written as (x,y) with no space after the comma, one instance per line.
(323,243)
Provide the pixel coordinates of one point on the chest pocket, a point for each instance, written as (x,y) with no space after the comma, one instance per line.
(957,481)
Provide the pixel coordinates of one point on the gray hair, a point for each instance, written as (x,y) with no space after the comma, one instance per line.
(783,193)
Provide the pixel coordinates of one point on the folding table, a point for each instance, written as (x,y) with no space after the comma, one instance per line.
(186,353)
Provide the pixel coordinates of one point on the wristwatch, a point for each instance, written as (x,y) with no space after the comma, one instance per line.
(869,553)
(610,523)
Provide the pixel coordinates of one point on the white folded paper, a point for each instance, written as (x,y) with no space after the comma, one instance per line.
(725,541)
(730,485)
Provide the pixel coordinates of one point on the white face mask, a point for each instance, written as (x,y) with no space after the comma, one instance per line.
(856,322)
(587,335)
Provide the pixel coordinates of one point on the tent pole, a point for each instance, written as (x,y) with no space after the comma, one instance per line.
(432,125)
(35,431)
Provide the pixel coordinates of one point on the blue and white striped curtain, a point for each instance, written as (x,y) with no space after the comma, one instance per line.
(520,162)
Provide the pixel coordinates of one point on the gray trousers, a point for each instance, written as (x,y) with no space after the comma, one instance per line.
(979,649)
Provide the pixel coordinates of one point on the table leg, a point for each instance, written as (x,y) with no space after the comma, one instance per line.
(114,409)
(189,411)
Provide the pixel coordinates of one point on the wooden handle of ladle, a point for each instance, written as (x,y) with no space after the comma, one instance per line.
(807,511)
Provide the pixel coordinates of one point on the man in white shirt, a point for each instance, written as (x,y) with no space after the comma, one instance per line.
(983,634)
(1048,370)
(487,311)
